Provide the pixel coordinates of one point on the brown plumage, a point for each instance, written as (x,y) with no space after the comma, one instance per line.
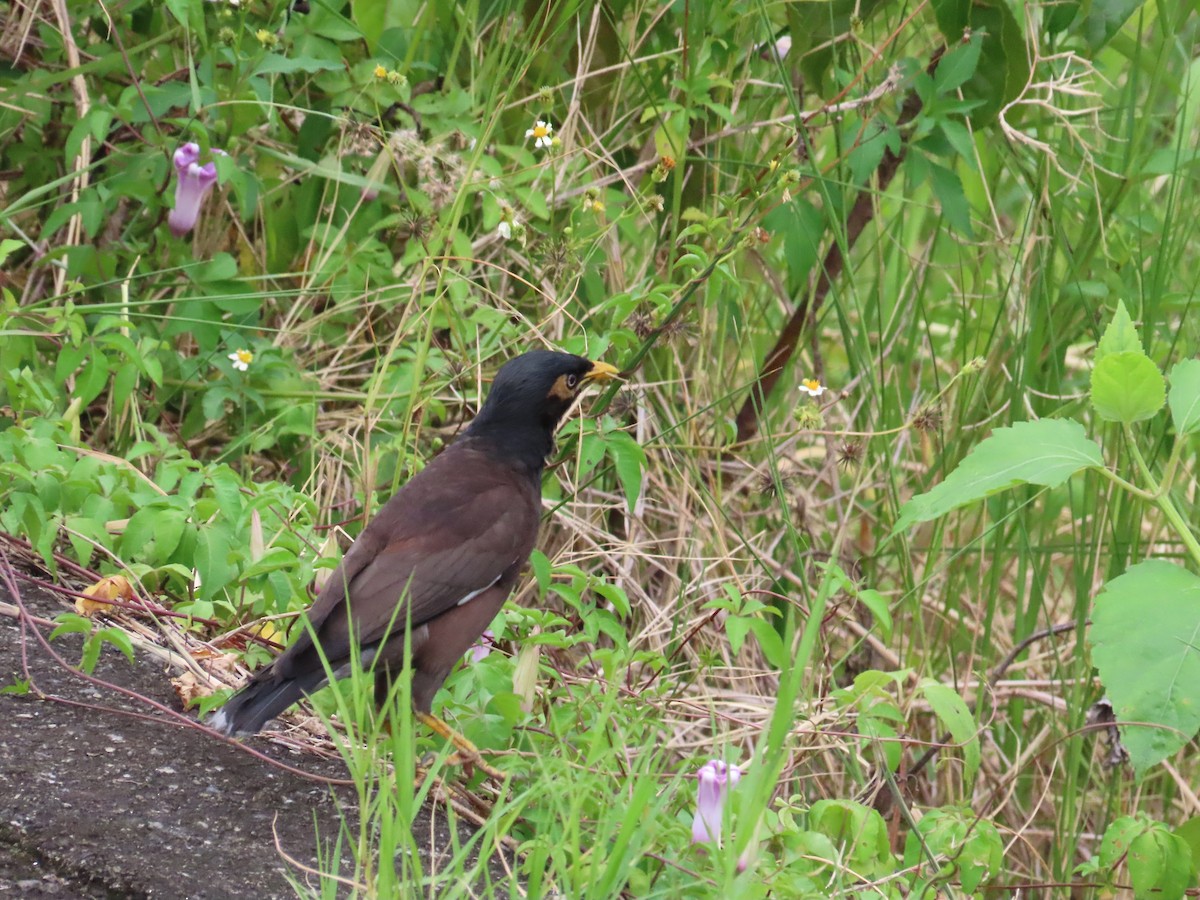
(440,557)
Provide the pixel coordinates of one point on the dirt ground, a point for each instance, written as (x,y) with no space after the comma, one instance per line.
(98,804)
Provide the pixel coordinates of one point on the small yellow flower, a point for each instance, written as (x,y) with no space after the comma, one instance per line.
(812,387)
(241,359)
(597,207)
(381,72)
(266,38)
(542,134)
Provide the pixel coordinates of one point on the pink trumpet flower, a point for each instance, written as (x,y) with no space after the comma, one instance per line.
(195,181)
(482,648)
(715,778)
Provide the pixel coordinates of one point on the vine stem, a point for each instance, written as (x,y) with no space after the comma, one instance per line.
(1162,498)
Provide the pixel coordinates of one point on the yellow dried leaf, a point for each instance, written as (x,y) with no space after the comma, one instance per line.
(100,595)
(189,689)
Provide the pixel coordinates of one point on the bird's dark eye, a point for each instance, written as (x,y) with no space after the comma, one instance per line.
(572,380)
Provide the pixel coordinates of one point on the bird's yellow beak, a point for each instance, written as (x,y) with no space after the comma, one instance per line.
(601,371)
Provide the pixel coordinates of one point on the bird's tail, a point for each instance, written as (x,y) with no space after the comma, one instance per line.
(265,697)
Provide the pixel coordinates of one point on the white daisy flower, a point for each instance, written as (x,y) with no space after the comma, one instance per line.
(542,134)
(241,359)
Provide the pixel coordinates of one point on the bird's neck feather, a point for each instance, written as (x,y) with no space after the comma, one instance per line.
(525,447)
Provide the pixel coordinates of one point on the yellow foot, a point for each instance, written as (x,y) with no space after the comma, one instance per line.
(468,754)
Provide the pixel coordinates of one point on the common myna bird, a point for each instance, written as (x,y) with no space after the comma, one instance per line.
(439,558)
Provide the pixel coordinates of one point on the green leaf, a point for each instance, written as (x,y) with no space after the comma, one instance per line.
(859,832)
(1160,865)
(1184,398)
(1120,336)
(1103,19)
(1145,640)
(948,189)
(212,560)
(278,64)
(118,639)
(878,604)
(1045,452)
(71,623)
(769,642)
(952,711)
(958,65)
(1003,65)
(1190,832)
(1127,387)
(628,459)
(7,246)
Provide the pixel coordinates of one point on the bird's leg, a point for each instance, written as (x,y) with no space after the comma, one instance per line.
(467,752)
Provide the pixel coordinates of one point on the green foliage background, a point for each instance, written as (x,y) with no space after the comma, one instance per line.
(932,208)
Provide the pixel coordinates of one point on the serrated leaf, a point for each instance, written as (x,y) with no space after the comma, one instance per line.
(1145,640)
(1127,387)
(1046,452)
(1119,336)
(7,246)
(952,711)
(1184,397)
(958,65)
(948,189)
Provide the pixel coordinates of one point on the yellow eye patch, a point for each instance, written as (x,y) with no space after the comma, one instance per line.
(561,390)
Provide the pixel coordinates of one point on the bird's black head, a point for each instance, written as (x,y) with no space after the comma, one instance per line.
(529,397)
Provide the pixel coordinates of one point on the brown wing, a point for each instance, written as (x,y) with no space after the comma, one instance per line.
(453,530)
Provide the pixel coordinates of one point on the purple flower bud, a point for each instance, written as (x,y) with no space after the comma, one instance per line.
(715,778)
(195,181)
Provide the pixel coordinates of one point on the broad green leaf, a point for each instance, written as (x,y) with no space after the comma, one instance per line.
(1120,336)
(1145,639)
(1184,397)
(859,832)
(1127,387)
(1160,865)
(1190,832)
(1103,19)
(1045,452)
(212,560)
(278,64)
(1003,66)
(953,713)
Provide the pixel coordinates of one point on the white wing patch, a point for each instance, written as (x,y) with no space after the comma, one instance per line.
(471,596)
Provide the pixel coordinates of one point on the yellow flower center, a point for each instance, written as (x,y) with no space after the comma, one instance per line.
(245,357)
(812,384)
(380,72)
(540,131)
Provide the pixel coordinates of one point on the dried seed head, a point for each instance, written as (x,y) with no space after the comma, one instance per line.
(772,484)
(625,404)
(676,328)
(850,453)
(641,324)
(557,258)
(928,418)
